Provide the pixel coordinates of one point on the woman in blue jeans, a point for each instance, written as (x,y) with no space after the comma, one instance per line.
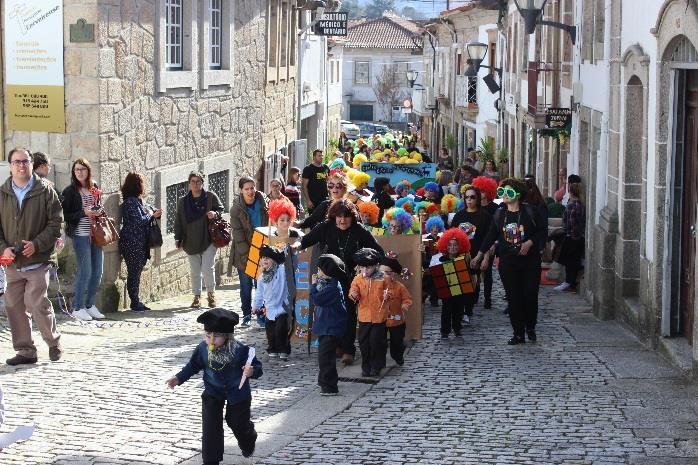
(81,204)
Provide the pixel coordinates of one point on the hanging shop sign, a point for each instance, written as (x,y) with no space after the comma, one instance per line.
(333,24)
(558,118)
(34,65)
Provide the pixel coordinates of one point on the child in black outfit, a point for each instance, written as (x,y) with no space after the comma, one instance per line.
(330,320)
(227,365)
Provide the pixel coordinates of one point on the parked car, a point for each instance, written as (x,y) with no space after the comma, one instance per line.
(367,128)
(350,129)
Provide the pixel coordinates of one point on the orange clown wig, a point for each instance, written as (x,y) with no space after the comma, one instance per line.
(454,233)
(487,186)
(370,209)
(280,206)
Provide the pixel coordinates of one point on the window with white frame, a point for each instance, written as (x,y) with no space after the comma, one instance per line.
(362,73)
(401,68)
(282,27)
(215,15)
(173,34)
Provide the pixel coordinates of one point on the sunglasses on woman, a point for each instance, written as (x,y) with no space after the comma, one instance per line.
(507,192)
(470,197)
(338,185)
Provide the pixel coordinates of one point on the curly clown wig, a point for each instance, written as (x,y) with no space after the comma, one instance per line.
(361,179)
(406,204)
(358,159)
(280,206)
(448,203)
(423,205)
(433,209)
(370,209)
(431,186)
(435,221)
(487,186)
(403,219)
(403,187)
(457,234)
(338,163)
(420,192)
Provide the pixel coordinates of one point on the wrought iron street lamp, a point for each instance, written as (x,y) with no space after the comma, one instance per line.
(476,54)
(531,11)
(412,77)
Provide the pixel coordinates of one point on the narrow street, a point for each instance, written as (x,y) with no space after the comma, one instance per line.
(586,393)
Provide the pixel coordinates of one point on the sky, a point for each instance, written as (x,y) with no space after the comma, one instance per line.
(429,8)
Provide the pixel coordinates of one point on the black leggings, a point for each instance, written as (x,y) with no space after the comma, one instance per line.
(522,293)
(278,335)
(135,259)
(326,356)
(373,342)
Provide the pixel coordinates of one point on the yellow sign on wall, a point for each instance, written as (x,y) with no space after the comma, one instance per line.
(34,65)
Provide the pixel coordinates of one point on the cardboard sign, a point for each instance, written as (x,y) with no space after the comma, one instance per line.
(406,246)
(302,309)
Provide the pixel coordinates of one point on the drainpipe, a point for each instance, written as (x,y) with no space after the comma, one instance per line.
(434,112)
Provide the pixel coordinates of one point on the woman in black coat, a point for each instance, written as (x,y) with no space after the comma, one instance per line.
(342,234)
(518,230)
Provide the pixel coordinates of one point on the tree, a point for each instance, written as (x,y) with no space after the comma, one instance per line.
(353,8)
(377,7)
(388,91)
(411,13)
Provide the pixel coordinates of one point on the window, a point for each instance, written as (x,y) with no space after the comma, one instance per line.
(218,183)
(401,68)
(215,33)
(174,193)
(273,33)
(362,73)
(173,34)
(281,40)
(472,90)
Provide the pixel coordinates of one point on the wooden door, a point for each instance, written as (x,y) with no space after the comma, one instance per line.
(690,200)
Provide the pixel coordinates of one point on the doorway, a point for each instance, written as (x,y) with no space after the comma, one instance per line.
(685,190)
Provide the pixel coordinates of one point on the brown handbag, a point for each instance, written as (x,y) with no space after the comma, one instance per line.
(104,230)
(219,232)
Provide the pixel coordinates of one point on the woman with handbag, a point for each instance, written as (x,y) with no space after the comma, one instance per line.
(136,237)
(572,251)
(194,211)
(81,206)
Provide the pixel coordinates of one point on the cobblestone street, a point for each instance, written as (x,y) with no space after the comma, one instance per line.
(586,393)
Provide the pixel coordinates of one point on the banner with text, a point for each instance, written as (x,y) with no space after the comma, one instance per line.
(417,174)
(34,65)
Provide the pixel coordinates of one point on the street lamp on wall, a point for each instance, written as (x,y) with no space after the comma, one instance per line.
(531,12)
(476,54)
(412,77)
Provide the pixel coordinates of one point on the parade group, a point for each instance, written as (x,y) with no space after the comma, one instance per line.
(466,220)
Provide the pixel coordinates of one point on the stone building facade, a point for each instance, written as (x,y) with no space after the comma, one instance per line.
(136,101)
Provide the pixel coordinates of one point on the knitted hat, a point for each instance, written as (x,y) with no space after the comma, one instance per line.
(366,257)
(332,266)
(392,263)
(272,253)
(218,320)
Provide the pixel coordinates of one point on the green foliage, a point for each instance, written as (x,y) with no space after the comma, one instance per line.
(451,142)
(502,155)
(353,8)
(486,149)
(376,8)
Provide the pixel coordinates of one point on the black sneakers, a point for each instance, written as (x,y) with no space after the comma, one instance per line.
(21,360)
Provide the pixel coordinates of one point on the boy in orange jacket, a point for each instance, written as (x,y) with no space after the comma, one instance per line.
(369,289)
(399,301)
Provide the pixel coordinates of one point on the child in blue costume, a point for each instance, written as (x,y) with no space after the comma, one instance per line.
(330,318)
(224,361)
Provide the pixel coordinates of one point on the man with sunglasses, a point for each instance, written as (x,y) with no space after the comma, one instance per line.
(30,222)
(517,229)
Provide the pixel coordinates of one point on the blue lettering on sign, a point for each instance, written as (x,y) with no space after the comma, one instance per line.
(397,172)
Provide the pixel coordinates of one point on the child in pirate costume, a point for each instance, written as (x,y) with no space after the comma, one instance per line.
(330,318)
(368,289)
(225,362)
(272,294)
(399,301)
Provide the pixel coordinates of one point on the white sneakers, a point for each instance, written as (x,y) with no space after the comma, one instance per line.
(466,319)
(88,314)
(95,313)
(82,314)
(562,287)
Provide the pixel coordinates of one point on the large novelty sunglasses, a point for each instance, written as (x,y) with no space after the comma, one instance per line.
(507,192)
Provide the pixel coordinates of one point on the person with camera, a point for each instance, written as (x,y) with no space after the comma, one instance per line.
(194,210)
(81,205)
(30,223)
(135,234)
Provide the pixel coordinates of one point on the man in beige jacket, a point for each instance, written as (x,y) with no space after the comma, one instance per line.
(30,223)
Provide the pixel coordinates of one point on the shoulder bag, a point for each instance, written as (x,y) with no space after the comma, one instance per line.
(154,233)
(104,230)
(219,232)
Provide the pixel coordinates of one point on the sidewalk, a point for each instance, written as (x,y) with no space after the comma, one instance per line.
(586,393)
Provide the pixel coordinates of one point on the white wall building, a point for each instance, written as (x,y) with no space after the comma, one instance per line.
(372,47)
